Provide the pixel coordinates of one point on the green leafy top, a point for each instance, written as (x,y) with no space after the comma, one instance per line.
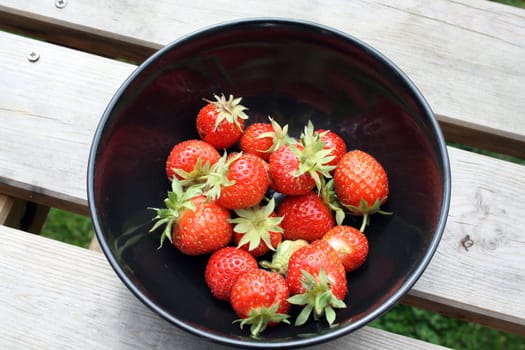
(178,200)
(217,177)
(279,136)
(313,158)
(317,298)
(228,109)
(255,224)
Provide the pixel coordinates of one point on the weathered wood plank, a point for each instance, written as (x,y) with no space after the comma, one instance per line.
(465,56)
(480,256)
(49,110)
(57,296)
(53,136)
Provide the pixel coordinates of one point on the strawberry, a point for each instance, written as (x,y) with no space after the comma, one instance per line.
(350,244)
(238,180)
(221,122)
(189,159)
(259,298)
(334,143)
(194,225)
(257,229)
(317,280)
(361,184)
(305,217)
(283,169)
(224,268)
(297,168)
(264,138)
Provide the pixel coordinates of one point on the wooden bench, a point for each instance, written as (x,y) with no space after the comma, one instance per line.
(61,62)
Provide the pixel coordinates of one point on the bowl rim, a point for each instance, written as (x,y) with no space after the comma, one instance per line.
(264,22)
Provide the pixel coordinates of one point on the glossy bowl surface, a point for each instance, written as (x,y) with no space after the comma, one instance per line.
(293,71)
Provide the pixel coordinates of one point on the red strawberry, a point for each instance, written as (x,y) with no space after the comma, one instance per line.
(284,167)
(259,298)
(238,181)
(296,169)
(221,122)
(350,244)
(193,224)
(334,143)
(224,267)
(264,138)
(188,159)
(317,280)
(305,217)
(361,184)
(257,229)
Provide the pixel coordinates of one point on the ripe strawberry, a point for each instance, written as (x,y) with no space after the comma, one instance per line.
(264,138)
(284,167)
(221,122)
(316,279)
(297,168)
(259,298)
(189,159)
(361,184)
(305,217)
(257,229)
(350,244)
(224,268)
(334,143)
(194,225)
(238,181)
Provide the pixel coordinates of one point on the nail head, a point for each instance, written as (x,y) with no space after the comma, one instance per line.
(33,56)
(60,3)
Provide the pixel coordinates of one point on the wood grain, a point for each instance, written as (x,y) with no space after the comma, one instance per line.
(48,112)
(478,266)
(466,57)
(57,296)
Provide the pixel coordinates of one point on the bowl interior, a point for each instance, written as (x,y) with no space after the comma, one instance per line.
(294,72)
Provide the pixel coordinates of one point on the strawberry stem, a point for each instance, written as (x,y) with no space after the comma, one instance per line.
(259,318)
(317,298)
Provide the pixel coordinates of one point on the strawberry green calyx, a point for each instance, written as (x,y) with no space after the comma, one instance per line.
(313,158)
(178,200)
(279,136)
(327,195)
(255,224)
(228,109)
(195,177)
(280,258)
(318,299)
(259,318)
(366,210)
(217,176)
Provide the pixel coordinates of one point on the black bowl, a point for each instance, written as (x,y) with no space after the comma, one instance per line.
(295,72)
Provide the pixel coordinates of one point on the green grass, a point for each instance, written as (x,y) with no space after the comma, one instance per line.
(438,329)
(68,227)
(516,3)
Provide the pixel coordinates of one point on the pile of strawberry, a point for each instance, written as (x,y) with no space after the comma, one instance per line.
(276,194)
